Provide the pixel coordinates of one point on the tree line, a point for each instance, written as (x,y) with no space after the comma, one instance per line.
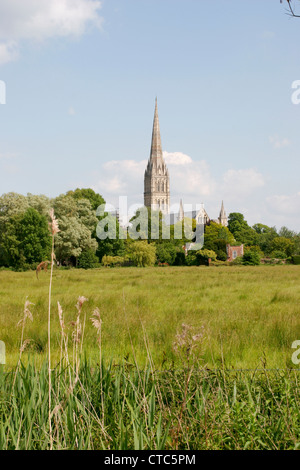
(25,240)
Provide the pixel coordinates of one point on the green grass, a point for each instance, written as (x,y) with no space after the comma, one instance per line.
(146,394)
(250,315)
(145,410)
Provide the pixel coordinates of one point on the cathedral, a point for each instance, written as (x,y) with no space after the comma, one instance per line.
(157,186)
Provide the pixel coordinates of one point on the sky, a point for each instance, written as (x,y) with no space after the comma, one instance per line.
(81,78)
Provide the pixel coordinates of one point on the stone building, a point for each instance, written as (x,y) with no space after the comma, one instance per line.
(157,186)
(234,252)
(156,180)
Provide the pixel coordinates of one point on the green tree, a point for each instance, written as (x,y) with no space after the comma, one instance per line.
(142,254)
(114,244)
(284,245)
(251,258)
(265,237)
(87,259)
(203,256)
(77,222)
(95,199)
(166,252)
(26,240)
(216,238)
(240,229)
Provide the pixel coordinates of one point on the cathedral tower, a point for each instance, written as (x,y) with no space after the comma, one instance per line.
(156,180)
(223,219)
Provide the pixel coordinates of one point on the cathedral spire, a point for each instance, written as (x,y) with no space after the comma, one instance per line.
(156,179)
(156,155)
(181,212)
(223,217)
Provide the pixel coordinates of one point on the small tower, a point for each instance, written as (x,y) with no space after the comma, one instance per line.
(180,216)
(223,220)
(156,180)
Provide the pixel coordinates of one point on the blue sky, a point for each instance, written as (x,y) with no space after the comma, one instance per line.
(82,77)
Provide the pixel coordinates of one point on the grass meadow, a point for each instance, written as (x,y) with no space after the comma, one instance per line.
(175,358)
(250,316)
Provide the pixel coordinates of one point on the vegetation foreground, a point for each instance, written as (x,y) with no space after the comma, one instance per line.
(122,408)
(157,358)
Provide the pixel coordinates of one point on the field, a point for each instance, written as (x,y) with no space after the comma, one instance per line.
(249,315)
(186,358)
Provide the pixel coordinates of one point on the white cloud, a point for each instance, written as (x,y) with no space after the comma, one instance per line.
(71,111)
(285,204)
(121,178)
(43,19)
(278,143)
(241,183)
(189,179)
(8,52)
(177,158)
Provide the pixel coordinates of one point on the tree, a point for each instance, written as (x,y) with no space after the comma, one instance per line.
(291,10)
(77,222)
(283,245)
(113,245)
(287,233)
(40,203)
(265,237)
(166,252)
(95,199)
(203,257)
(240,229)
(87,259)
(251,258)
(216,238)
(74,238)
(142,254)
(26,240)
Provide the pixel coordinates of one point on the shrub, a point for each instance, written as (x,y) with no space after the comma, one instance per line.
(191,259)
(202,256)
(237,261)
(296,259)
(221,255)
(251,258)
(166,253)
(87,260)
(278,254)
(180,259)
(112,261)
(142,253)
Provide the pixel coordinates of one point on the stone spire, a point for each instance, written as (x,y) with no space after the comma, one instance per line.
(156,155)
(223,217)
(180,216)
(156,181)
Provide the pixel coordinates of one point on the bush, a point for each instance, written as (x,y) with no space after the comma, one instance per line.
(166,253)
(221,255)
(142,253)
(203,256)
(296,259)
(87,260)
(191,259)
(112,261)
(251,258)
(180,259)
(278,254)
(237,261)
